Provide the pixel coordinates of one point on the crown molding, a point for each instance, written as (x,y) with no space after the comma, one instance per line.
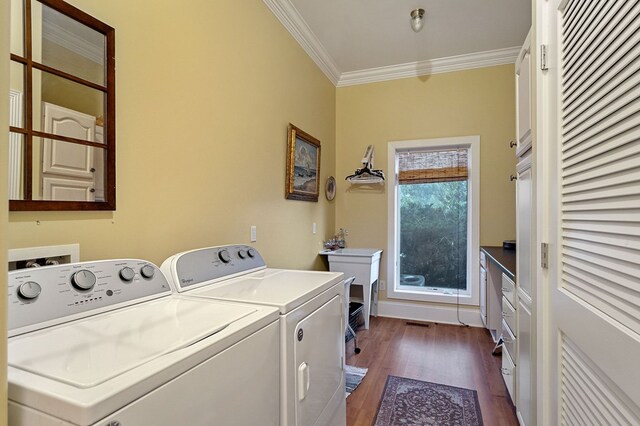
(70,41)
(289,16)
(435,66)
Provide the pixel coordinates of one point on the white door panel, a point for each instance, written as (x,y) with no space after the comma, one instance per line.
(67,189)
(592,213)
(66,158)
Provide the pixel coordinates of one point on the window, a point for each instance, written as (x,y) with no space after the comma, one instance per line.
(432,209)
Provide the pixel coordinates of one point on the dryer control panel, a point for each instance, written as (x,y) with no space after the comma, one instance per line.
(41,297)
(211,264)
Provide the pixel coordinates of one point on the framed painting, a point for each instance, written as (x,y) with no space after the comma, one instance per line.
(303,165)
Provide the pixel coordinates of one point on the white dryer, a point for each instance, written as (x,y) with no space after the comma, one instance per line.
(106,343)
(312,385)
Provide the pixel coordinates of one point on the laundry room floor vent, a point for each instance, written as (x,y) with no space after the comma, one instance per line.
(33,257)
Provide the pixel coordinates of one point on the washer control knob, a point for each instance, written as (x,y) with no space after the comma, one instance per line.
(147,271)
(242,254)
(224,256)
(83,280)
(127,274)
(251,252)
(29,290)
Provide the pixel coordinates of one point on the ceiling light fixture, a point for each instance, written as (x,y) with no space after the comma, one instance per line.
(416,19)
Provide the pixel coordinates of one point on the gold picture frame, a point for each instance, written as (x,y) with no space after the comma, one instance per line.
(303,165)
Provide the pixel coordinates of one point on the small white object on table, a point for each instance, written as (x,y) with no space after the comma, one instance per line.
(364,264)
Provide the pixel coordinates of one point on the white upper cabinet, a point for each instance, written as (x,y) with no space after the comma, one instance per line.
(523,98)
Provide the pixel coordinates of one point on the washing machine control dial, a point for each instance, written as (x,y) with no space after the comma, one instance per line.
(251,252)
(127,274)
(242,254)
(224,256)
(147,271)
(29,290)
(83,280)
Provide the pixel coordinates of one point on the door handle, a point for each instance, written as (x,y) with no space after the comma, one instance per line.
(303,380)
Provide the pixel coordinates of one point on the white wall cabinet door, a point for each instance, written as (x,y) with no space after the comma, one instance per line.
(523,98)
(524,203)
(589,177)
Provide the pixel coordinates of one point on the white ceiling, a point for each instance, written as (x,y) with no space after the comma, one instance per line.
(356,41)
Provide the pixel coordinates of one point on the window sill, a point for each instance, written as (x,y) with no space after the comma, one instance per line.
(429,295)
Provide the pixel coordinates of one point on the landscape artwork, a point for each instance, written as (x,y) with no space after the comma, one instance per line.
(303,166)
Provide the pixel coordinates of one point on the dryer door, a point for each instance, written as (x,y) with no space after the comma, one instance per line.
(318,355)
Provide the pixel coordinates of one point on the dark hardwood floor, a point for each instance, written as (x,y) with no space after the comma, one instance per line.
(448,354)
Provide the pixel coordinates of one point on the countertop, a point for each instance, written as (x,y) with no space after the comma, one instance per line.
(505,259)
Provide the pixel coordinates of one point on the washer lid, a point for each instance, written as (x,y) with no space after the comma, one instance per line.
(284,289)
(93,350)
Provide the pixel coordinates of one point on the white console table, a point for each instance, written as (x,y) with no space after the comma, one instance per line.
(364,264)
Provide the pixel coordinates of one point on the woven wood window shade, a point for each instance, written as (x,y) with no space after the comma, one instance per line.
(433,166)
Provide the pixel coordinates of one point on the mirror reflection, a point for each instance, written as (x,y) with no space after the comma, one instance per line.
(69,172)
(62,141)
(69,46)
(17,27)
(16,182)
(81,103)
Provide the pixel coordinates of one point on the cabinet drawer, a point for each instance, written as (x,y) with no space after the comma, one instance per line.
(509,338)
(509,289)
(483,259)
(509,373)
(509,314)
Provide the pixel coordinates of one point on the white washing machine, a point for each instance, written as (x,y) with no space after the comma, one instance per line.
(312,385)
(106,343)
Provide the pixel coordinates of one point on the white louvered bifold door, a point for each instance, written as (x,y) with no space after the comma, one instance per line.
(596,293)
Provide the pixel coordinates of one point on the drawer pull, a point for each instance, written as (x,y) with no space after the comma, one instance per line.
(506,371)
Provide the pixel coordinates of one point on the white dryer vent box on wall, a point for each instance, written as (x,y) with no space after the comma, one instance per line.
(33,257)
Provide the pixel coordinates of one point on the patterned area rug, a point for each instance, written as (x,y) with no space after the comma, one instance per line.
(353,377)
(414,402)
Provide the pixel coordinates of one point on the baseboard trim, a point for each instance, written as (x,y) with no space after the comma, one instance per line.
(429,313)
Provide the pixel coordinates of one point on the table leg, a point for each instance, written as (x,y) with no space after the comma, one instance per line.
(366,293)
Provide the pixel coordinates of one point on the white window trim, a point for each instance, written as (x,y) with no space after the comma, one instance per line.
(471,297)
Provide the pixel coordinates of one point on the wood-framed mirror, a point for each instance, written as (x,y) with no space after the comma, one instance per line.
(62,144)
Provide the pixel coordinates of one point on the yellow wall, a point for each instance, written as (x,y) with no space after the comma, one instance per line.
(4,153)
(475,102)
(203,104)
